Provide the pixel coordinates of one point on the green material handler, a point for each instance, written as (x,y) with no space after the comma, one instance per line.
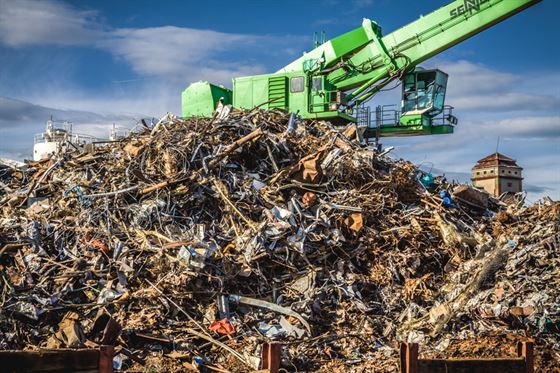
(335,79)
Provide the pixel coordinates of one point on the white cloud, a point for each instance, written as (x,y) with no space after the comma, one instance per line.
(362,3)
(507,101)
(179,52)
(544,127)
(168,51)
(476,87)
(473,78)
(26,22)
(147,98)
(475,134)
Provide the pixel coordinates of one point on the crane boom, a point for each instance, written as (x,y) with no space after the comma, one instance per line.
(331,80)
(426,37)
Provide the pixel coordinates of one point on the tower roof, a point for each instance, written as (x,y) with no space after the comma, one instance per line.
(496,159)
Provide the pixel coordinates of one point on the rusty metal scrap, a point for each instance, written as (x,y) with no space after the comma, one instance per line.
(196,241)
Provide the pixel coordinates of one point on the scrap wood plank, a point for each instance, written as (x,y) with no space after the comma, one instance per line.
(270,358)
(410,363)
(60,360)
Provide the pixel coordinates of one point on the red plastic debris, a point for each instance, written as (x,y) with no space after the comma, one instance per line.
(223,327)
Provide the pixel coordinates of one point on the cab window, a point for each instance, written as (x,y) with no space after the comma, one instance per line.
(297,84)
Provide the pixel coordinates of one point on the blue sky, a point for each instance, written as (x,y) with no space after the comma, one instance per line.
(99,62)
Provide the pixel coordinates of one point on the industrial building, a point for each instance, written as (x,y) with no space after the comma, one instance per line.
(497,174)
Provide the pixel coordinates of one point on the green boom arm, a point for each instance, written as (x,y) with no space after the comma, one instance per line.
(422,39)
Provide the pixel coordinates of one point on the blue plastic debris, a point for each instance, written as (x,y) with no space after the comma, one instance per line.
(197,362)
(447,201)
(427,180)
(84,200)
(293,122)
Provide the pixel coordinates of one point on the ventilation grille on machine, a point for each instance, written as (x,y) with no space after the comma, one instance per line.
(277,92)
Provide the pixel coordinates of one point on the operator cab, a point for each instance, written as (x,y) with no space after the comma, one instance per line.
(423,110)
(424,92)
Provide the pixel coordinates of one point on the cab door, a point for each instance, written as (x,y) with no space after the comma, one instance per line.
(318,97)
(298,94)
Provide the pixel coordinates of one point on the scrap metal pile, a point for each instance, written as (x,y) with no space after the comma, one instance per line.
(191,243)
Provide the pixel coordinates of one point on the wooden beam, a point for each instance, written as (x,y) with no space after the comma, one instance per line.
(60,360)
(525,351)
(471,365)
(271,357)
(409,357)
(410,363)
(106,354)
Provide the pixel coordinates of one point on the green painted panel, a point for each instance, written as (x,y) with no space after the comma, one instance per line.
(332,50)
(409,131)
(260,92)
(348,42)
(243,93)
(201,98)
